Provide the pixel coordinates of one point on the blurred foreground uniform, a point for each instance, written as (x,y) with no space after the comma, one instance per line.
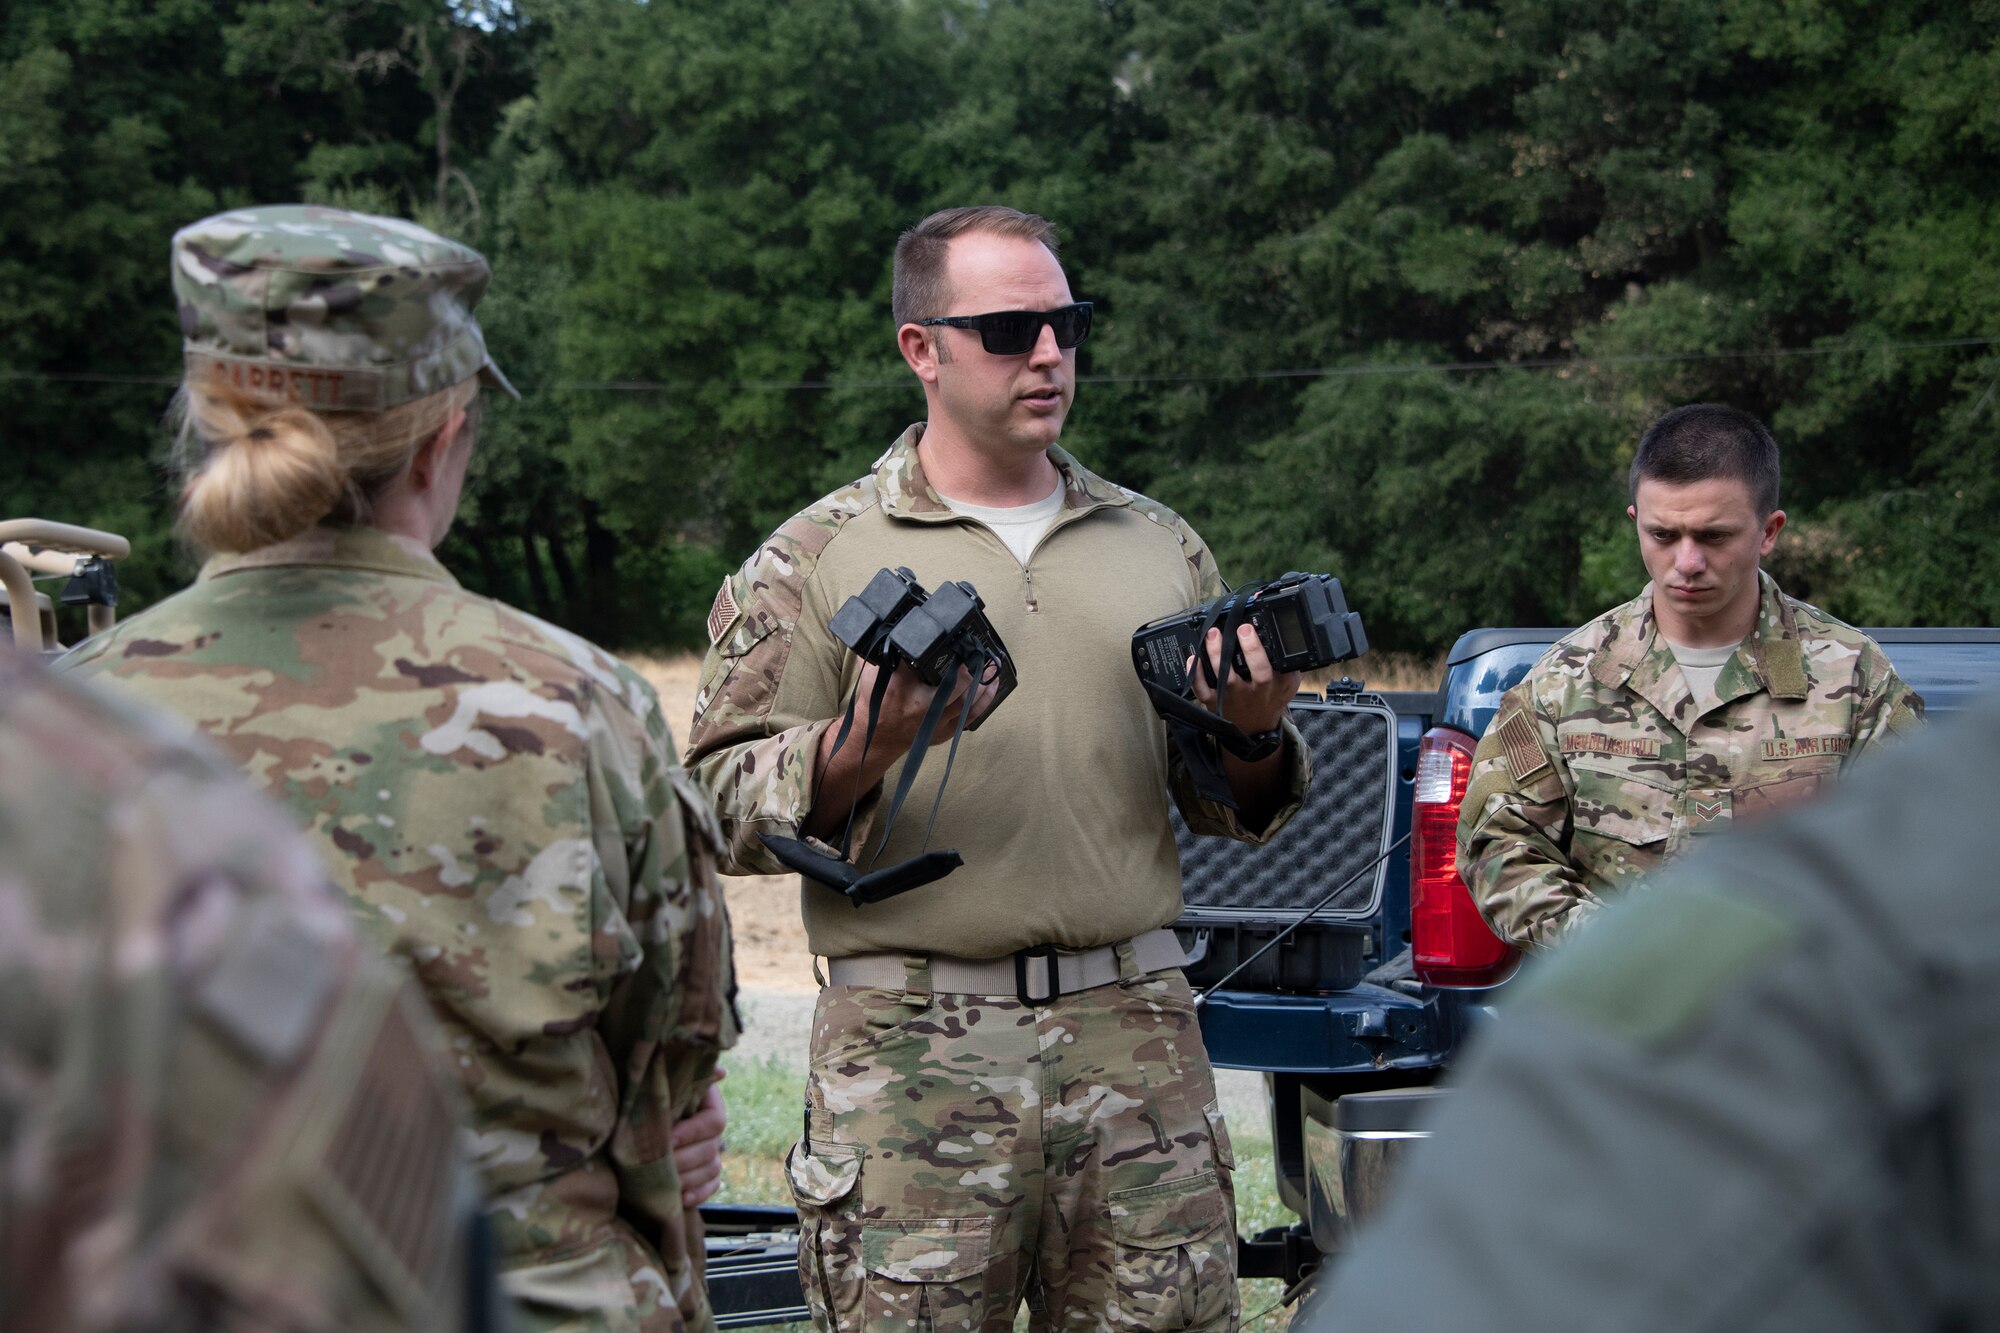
(216,1105)
(1600,766)
(498,801)
(1764,1095)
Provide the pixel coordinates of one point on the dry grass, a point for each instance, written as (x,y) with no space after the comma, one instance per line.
(1385,671)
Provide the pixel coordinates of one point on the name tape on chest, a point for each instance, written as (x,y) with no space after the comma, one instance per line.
(1624,747)
(1806,747)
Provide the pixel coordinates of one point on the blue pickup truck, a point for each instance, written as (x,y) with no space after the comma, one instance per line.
(1353,1015)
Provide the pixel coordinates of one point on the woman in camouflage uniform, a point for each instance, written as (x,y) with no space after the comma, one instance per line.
(496,796)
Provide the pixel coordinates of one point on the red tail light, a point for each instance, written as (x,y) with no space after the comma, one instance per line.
(1451,944)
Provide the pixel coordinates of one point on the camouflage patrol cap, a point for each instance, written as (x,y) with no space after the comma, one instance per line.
(331,310)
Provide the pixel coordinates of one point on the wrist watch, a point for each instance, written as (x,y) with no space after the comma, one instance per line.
(1262,745)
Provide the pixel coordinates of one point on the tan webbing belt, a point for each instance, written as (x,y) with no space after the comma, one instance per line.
(1025,975)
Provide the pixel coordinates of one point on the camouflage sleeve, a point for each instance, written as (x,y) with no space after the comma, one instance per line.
(1212,817)
(771,685)
(1889,707)
(674,1013)
(1514,828)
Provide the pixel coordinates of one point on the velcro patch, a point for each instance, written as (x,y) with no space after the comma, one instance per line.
(388,1177)
(1524,748)
(270,983)
(1597,742)
(1806,747)
(722,614)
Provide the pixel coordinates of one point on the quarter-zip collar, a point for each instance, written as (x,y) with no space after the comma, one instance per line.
(907,494)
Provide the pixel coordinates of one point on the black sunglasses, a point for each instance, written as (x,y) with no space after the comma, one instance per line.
(1012,332)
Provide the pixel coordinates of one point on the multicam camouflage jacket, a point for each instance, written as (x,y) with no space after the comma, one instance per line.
(1057,801)
(217,1106)
(1600,766)
(499,802)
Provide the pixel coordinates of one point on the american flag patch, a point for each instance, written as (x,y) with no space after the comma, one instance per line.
(388,1172)
(1524,749)
(722,614)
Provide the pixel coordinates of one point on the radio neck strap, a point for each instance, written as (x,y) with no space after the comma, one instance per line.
(875,698)
(927,866)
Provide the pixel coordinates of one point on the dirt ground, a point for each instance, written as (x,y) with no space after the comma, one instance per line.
(771,954)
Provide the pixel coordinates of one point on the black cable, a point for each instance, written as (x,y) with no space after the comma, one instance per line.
(1202,998)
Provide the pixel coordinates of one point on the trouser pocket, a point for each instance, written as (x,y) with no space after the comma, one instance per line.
(823,1177)
(1175,1254)
(928,1274)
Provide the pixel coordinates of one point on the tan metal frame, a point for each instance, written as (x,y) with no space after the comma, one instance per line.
(38,546)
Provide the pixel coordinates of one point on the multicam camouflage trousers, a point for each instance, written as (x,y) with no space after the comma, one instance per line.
(962,1152)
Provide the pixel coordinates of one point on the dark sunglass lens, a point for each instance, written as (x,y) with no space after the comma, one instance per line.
(1010,332)
(1072,325)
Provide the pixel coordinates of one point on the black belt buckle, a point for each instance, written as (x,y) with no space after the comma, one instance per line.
(1021,958)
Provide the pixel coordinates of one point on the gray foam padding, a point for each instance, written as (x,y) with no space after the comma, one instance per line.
(1339,828)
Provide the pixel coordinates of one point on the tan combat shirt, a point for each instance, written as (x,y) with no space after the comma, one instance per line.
(1058,801)
(1600,766)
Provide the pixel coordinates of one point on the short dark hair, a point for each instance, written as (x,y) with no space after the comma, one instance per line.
(919,290)
(1703,441)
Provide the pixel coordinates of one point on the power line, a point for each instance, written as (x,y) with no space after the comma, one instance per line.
(83,377)
(1544,363)
(1193,377)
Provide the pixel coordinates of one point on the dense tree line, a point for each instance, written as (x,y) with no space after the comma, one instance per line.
(1385,287)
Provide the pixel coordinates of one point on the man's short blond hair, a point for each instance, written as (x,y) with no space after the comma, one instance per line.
(920,290)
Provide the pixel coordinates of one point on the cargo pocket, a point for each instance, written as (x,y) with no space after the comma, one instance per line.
(1622,824)
(1176,1258)
(823,1177)
(927,1274)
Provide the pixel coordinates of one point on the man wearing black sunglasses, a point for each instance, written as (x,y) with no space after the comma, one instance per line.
(1008,1096)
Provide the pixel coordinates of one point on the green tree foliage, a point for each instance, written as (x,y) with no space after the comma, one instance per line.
(1386,286)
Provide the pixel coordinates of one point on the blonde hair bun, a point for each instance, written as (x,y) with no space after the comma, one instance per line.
(266,475)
